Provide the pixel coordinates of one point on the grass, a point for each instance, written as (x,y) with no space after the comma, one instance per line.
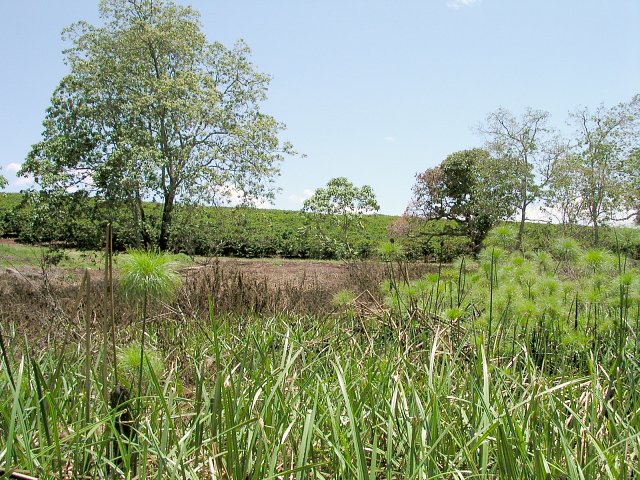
(21,255)
(292,398)
(419,389)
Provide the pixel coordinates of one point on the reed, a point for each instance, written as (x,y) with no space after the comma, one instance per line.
(551,392)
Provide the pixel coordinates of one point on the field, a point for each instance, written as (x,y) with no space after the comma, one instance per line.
(199,231)
(77,222)
(504,366)
(157,322)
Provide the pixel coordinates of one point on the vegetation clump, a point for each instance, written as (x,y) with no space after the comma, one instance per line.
(516,365)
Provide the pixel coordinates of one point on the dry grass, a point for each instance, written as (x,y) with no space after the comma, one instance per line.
(42,302)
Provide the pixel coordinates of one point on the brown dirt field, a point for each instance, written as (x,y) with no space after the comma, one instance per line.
(276,273)
(285,272)
(39,304)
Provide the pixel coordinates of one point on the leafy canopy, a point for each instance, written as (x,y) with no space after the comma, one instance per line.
(597,182)
(529,146)
(340,205)
(150,108)
(469,187)
(341,197)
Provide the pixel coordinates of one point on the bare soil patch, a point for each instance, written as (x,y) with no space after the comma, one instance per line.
(41,304)
(283,272)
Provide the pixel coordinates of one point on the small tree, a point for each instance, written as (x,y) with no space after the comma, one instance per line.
(469,187)
(339,206)
(603,167)
(529,147)
(562,195)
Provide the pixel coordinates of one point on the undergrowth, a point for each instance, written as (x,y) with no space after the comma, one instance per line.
(508,366)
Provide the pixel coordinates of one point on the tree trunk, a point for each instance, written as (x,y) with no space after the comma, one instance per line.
(146,238)
(167,211)
(523,216)
(136,221)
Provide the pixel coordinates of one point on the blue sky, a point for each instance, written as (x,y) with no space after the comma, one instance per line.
(372,90)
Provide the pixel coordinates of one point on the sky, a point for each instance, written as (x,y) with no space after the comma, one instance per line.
(372,90)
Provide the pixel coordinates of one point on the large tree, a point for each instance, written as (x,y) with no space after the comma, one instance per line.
(599,179)
(632,199)
(470,187)
(530,146)
(150,108)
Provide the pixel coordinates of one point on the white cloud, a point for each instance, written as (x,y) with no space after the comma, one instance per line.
(457,4)
(236,197)
(12,167)
(543,214)
(540,214)
(23,181)
(390,139)
(261,203)
(231,196)
(298,200)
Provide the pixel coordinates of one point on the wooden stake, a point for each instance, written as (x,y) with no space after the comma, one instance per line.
(87,345)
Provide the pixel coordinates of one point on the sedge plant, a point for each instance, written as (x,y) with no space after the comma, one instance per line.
(147,275)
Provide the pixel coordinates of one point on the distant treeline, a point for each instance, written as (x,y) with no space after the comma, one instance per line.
(78,221)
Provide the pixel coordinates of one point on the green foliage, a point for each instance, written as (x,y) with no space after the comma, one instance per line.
(46,217)
(561,307)
(148,274)
(151,108)
(390,250)
(434,240)
(196,230)
(566,249)
(504,236)
(129,363)
(597,260)
(339,208)
(304,397)
(596,182)
(342,199)
(514,365)
(248,232)
(70,219)
(470,189)
(345,303)
(527,147)
(144,276)
(9,202)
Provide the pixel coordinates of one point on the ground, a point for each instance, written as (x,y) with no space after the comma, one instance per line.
(41,288)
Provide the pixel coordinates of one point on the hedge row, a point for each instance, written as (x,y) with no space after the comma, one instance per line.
(76,220)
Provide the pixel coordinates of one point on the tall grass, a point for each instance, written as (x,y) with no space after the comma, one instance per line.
(295,398)
(419,391)
(562,307)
